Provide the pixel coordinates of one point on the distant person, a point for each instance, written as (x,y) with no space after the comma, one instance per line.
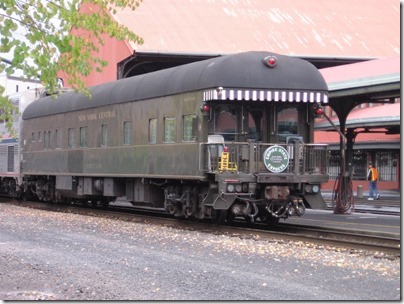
(373,176)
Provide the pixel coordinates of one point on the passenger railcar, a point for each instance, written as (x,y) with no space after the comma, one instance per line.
(220,138)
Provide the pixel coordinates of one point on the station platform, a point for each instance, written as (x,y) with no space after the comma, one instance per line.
(390,201)
(368,220)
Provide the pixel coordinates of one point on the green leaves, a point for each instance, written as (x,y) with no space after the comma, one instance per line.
(7,112)
(49,37)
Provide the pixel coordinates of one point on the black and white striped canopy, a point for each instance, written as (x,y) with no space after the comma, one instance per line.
(265,95)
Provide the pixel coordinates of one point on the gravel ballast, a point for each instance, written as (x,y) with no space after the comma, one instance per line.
(62,256)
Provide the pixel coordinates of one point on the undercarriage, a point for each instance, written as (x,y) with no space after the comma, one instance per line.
(220,200)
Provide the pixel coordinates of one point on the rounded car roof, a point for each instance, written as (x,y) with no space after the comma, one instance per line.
(239,71)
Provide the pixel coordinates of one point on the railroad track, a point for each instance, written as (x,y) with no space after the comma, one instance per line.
(382,246)
(340,237)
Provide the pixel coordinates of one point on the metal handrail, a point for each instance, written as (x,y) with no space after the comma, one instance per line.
(248,157)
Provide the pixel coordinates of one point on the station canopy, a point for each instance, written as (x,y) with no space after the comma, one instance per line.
(374,82)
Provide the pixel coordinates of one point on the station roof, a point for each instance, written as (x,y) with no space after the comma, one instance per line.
(333,29)
(362,140)
(377,117)
(374,82)
(373,79)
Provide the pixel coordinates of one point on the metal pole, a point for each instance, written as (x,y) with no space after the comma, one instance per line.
(343,192)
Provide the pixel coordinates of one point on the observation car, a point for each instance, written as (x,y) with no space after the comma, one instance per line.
(221,138)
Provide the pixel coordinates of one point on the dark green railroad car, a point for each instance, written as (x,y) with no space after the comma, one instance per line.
(221,138)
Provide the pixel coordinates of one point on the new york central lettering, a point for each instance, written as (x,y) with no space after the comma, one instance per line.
(107,114)
(91,116)
(95,116)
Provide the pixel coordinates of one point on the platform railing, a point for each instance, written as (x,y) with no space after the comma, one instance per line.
(247,157)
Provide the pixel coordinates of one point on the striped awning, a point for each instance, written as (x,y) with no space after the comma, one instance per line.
(265,95)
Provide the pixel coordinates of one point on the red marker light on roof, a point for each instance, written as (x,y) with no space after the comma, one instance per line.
(270,61)
(318,112)
(205,109)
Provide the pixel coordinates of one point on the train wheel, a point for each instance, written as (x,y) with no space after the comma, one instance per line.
(66,201)
(249,220)
(105,204)
(230,218)
(18,194)
(29,195)
(271,220)
(219,216)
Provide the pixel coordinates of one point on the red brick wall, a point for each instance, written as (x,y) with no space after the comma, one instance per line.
(113,52)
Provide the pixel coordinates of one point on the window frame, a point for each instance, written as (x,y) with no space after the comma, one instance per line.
(170,130)
(127,133)
(71,138)
(152,131)
(47,140)
(192,135)
(83,133)
(58,139)
(104,135)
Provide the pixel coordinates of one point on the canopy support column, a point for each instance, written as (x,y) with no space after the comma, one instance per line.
(342,198)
